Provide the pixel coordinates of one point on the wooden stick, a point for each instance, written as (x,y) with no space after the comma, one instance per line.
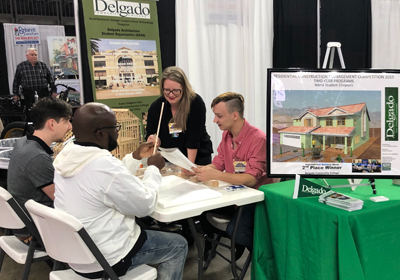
(158,129)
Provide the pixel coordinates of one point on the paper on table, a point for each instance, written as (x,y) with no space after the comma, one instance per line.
(176,191)
(175,156)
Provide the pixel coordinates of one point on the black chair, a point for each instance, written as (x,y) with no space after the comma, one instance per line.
(220,222)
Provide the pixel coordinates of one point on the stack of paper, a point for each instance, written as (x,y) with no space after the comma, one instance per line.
(341,201)
(175,156)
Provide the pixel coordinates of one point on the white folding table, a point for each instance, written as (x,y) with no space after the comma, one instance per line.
(187,211)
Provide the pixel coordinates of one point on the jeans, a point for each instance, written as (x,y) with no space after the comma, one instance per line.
(169,250)
(244,232)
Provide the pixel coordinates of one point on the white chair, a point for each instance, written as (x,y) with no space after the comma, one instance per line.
(66,240)
(13,217)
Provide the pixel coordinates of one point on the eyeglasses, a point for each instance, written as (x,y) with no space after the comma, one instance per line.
(117,127)
(175,92)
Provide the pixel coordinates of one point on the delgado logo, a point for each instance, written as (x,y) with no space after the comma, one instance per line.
(391,114)
(312,190)
(121,9)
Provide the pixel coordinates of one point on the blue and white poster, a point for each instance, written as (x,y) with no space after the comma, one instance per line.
(26,35)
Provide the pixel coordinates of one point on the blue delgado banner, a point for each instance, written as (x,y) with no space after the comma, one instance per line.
(124,54)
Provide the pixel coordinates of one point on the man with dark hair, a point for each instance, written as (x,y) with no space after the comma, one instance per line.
(32,75)
(241,159)
(30,172)
(102,192)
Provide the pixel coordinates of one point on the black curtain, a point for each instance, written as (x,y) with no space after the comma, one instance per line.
(3,66)
(347,22)
(295,34)
(69,30)
(86,78)
(166,27)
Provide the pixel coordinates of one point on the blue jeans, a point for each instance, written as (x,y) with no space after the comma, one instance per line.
(169,250)
(244,233)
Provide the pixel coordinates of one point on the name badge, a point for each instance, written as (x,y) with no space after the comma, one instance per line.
(240,166)
(173,130)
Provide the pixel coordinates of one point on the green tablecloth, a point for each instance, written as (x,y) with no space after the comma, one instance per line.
(304,239)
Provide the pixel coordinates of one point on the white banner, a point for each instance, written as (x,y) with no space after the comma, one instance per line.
(26,35)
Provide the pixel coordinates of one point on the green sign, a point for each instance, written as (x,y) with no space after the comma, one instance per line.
(124,54)
(391,114)
(305,188)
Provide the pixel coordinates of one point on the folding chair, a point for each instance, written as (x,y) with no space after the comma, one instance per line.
(66,240)
(220,222)
(13,217)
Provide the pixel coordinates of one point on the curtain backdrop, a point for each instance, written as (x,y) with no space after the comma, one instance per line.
(226,45)
(16,54)
(386,34)
(347,22)
(295,33)
(166,27)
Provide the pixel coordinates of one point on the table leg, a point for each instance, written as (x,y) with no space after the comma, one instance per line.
(233,251)
(199,245)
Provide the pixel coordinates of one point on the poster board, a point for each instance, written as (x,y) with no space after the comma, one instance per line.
(333,123)
(63,54)
(124,55)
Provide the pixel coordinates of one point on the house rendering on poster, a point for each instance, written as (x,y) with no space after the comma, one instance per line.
(340,127)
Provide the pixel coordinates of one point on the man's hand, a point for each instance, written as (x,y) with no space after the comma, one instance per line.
(206,173)
(157,160)
(16,97)
(143,151)
(151,139)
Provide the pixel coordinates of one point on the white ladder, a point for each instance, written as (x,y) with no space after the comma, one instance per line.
(330,48)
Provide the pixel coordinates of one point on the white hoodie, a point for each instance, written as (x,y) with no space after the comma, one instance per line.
(102,192)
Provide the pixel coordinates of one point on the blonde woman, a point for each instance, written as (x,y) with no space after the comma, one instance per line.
(184,117)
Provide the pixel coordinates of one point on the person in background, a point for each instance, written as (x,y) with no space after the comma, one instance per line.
(183,119)
(30,173)
(32,76)
(102,192)
(241,160)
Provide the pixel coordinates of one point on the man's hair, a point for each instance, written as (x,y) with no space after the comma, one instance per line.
(30,49)
(49,108)
(234,102)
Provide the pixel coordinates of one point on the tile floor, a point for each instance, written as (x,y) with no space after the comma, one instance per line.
(218,270)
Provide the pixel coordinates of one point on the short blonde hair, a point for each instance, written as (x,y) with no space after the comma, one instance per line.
(234,102)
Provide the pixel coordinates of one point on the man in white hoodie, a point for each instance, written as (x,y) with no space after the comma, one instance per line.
(102,192)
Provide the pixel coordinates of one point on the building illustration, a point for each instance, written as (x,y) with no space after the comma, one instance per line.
(125,67)
(342,127)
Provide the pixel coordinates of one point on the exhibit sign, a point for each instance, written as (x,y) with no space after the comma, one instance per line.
(124,54)
(63,54)
(26,35)
(333,123)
